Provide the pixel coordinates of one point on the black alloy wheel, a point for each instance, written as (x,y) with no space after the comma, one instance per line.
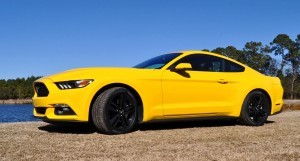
(121,112)
(115,111)
(256,109)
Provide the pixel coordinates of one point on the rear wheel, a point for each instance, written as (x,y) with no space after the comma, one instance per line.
(255,110)
(115,111)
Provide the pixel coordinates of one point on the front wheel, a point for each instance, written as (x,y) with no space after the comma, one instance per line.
(256,109)
(115,111)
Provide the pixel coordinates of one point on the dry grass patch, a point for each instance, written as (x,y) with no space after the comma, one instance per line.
(291,105)
(278,139)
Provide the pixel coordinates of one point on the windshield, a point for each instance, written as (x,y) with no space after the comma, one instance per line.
(157,62)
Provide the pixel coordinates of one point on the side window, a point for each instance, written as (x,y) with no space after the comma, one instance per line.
(233,67)
(201,62)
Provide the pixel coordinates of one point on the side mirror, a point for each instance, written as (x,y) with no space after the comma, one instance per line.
(182,66)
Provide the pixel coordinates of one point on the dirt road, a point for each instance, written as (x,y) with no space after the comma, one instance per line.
(279,139)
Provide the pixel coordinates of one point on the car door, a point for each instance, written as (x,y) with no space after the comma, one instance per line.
(201,90)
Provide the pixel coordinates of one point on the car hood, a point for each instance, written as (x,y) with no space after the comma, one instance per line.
(92,73)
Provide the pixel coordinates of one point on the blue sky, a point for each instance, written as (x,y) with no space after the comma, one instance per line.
(42,37)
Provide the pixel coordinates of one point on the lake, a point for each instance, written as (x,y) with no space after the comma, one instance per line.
(16,113)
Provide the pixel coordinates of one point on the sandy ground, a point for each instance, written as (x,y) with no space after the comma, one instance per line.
(291,105)
(278,139)
(16,101)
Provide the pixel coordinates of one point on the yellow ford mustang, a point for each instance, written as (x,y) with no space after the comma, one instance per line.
(186,84)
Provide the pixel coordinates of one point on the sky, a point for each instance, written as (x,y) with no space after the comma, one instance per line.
(43,37)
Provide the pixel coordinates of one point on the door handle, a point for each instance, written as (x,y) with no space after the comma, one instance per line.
(222,81)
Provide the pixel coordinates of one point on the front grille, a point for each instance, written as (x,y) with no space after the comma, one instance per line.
(40,110)
(41,90)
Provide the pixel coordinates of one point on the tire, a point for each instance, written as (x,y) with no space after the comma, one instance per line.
(115,111)
(255,109)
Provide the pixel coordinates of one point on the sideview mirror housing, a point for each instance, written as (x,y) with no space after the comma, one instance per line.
(182,66)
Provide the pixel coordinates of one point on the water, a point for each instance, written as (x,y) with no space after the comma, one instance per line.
(16,113)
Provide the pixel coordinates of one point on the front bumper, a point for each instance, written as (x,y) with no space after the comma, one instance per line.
(78,100)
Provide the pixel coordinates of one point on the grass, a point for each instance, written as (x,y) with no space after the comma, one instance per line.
(278,139)
(291,105)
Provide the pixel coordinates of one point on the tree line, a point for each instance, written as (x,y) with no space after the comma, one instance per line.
(19,88)
(280,58)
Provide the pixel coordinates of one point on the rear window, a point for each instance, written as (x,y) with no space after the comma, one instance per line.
(233,67)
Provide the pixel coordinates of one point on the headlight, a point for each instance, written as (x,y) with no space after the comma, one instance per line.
(73,84)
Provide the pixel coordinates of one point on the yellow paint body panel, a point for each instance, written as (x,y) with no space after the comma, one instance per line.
(164,94)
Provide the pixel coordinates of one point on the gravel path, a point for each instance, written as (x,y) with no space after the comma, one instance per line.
(279,139)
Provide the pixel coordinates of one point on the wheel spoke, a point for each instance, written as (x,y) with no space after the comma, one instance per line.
(113,107)
(255,117)
(262,112)
(122,100)
(128,110)
(114,104)
(260,101)
(115,120)
(255,101)
(124,121)
(251,112)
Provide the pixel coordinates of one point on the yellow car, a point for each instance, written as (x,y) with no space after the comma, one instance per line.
(186,84)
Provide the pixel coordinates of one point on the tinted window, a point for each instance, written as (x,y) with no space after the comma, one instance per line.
(201,62)
(233,67)
(157,62)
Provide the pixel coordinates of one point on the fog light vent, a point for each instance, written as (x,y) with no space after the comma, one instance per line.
(63,109)
(40,110)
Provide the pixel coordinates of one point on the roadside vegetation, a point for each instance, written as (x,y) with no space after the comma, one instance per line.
(280,58)
(20,88)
